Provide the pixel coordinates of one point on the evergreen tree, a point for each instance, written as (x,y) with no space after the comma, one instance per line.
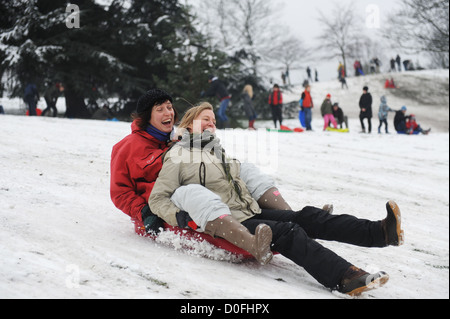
(120,50)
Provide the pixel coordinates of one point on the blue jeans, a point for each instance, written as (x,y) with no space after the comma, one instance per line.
(222,110)
(308,117)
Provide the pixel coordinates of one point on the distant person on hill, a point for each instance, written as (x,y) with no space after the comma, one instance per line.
(383,114)
(308,72)
(365,104)
(398,60)
(2,110)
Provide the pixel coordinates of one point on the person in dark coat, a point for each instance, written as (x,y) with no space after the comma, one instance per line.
(51,97)
(400,120)
(217,88)
(338,114)
(365,104)
(31,97)
(398,60)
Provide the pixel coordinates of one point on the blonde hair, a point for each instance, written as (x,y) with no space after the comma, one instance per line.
(249,90)
(191,115)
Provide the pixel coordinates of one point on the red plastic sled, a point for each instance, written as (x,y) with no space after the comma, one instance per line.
(200,237)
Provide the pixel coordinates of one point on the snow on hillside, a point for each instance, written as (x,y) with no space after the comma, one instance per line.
(425,93)
(61,236)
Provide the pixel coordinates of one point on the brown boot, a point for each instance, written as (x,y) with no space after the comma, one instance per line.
(233,231)
(328,208)
(356,281)
(272,199)
(392,225)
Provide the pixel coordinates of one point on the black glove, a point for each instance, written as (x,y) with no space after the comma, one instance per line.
(152,223)
(185,221)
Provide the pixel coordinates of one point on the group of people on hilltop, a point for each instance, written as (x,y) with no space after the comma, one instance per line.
(375,65)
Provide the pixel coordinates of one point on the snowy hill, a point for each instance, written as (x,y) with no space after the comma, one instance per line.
(61,237)
(425,93)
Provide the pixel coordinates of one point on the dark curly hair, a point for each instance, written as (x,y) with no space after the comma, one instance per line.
(145,106)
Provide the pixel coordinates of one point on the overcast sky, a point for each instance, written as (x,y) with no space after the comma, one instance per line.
(302,19)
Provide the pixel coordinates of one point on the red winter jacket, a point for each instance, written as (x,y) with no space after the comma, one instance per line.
(135,164)
(307,100)
(276,98)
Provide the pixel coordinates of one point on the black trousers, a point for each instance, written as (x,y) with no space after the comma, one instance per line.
(277,114)
(294,234)
(369,120)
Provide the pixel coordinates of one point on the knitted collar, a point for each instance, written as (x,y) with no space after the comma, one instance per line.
(159,135)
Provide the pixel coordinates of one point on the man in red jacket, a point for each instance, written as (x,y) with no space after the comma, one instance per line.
(307,106)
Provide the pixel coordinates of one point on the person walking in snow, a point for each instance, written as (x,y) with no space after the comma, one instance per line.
(247,97)
(365,105)
(291,233)
(136,162)
(383,114)
(327,113)
(308,73)
(31,97)
(51,96)
(398,60)
(276,105)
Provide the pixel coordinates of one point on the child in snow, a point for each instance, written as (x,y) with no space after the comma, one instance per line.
(383,114)
(291,233)
(327,113)
(413,128)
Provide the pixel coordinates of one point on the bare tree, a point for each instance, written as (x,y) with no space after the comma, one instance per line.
(339,33)
(290,53)
(246,26)
(421,26)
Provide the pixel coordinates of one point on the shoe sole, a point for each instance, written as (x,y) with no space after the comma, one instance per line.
(393,207)
(374,283)
(263,241)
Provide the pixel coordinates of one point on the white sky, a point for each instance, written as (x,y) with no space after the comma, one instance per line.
(302,18)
